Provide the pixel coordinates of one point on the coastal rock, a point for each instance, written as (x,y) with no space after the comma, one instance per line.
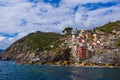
(54,48)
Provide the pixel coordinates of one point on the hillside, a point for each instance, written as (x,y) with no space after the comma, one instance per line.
(36,46)
(109,27)
(53,48)
(110,51)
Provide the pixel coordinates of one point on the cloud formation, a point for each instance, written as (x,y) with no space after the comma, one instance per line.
(20,17)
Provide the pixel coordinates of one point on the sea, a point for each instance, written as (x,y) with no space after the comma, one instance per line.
(9,70)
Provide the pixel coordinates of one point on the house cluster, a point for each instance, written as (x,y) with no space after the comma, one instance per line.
(83,44)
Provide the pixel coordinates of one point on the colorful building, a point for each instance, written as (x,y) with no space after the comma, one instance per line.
(83,44)
(81,52)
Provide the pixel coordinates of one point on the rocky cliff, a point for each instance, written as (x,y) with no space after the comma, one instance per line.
(38,47)
(109,53)
(50,48)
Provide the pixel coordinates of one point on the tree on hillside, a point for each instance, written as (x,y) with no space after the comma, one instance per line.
(67,31)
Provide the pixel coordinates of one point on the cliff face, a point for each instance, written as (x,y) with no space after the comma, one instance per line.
(110,51)
(51,48)
(37,47)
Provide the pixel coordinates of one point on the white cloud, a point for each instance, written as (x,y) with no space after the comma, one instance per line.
(2,38)
(22,17)
(3,42)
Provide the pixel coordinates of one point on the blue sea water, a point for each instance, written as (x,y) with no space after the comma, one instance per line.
(12,71)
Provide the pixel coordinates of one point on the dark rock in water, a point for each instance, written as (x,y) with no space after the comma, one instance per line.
(1,52)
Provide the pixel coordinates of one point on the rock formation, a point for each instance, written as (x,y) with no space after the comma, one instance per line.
(53,48)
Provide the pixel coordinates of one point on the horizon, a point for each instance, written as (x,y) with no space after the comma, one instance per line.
(21,17)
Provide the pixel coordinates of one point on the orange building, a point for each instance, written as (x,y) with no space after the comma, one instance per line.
(81,52)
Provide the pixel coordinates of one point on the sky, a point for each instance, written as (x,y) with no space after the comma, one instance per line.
(21,17)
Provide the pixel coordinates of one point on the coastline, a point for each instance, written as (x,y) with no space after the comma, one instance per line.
(15,71)
(91,65)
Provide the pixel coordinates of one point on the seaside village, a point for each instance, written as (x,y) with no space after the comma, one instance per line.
(83,44)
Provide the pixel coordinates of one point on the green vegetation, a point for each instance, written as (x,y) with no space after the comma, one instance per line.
(41,40)
(108,28)
(118,42)
(68,31)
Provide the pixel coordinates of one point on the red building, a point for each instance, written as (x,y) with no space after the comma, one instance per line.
(81,52)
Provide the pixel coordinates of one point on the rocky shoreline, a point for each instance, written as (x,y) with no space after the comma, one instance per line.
(76,64)
(94,48)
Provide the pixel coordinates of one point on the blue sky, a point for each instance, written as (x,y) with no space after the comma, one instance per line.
(21,17)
